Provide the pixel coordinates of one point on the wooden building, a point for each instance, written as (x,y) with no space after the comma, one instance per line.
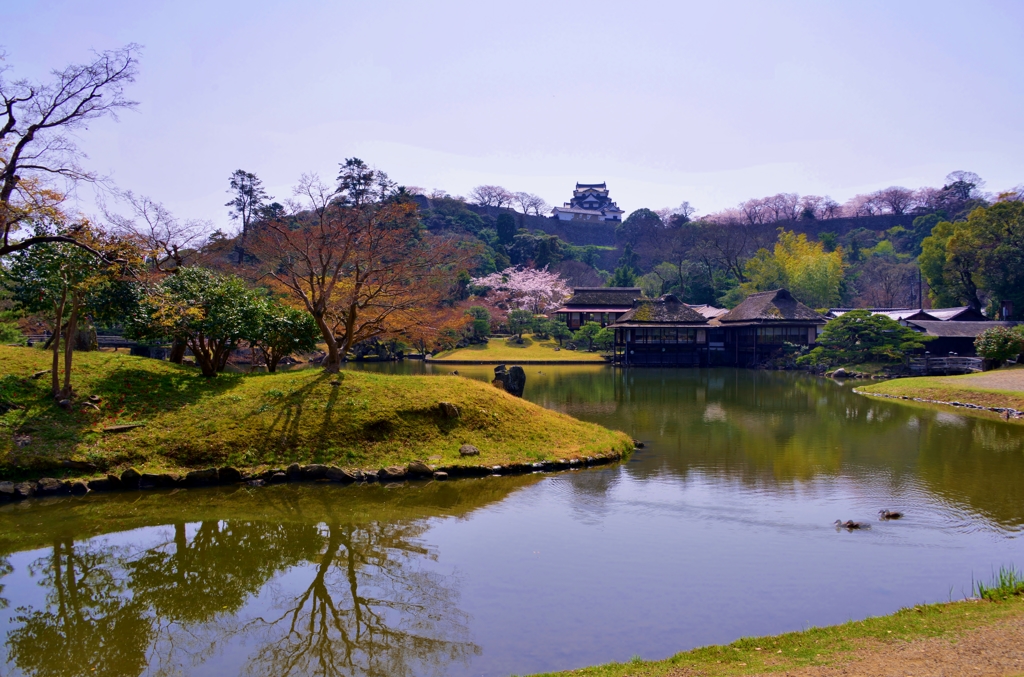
(953,336)
(603,305)
(667,332)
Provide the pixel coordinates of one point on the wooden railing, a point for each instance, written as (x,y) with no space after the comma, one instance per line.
(945,365)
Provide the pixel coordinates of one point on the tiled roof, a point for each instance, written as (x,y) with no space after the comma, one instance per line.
(620,297)
(665,310)
(960,329)
(771,305)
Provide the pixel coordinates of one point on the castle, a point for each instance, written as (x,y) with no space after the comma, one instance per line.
(590,202)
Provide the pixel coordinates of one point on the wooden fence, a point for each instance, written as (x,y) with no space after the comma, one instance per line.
(945,365)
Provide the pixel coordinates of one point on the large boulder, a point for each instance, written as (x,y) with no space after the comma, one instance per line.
(512,380)
(7,491)
(468,450)
(420,469)
(199,478)
(395,472)
(314,471)
(229,475)
(342,475)
(50,486)
(130,478)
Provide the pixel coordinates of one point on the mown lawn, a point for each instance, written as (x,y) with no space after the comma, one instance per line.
(354,419)
(999,388)
(832,645)
(505,350)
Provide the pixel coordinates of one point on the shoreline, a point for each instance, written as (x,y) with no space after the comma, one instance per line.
(515,362)
(949,637)
(133,480)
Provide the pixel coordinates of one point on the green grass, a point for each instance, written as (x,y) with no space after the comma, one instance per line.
(361,420)
(826,646)
(1005,584)
(969,388)
(506,350)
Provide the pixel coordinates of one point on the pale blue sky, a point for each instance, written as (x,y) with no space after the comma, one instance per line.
(711,102)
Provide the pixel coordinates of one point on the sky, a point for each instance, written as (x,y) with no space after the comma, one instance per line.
(707,102)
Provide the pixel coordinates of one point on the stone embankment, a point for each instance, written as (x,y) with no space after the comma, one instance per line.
(133,480)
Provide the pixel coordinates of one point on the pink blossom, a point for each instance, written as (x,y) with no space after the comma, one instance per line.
(538,291)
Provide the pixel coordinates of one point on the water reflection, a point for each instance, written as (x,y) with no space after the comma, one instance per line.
(335,590)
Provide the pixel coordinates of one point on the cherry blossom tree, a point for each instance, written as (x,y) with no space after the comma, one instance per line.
(529,289)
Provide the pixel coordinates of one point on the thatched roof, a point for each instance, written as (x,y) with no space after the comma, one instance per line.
(616,297)
(667,310)
(766,306)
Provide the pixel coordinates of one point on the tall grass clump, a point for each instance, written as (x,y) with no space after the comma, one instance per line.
(1005,584)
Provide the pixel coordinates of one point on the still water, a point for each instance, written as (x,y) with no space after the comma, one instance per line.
(719,528)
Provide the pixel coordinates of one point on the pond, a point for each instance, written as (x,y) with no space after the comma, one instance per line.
(721,527)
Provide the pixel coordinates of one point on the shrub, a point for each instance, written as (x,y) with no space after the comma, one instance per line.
(1000,343)
(858,336)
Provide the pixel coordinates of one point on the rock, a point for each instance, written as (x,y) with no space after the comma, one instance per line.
(199,478)
(839,373)
(64,404)
(468,450)
(498,383)
(341,475)
(448,410)
(49,486)
(255,483)
(369,475)
(395,472)
(149,481)
(515,383)
(278,478)
(229,475)
(440,476)
(79,488)
(104,484)
(79,465)
(420,469)
(130,478)
(7,491)
(25,489)
(294,472)
(637,444)
(314,471)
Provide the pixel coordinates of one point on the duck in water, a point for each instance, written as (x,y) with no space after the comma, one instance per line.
(889,514)
(851,525)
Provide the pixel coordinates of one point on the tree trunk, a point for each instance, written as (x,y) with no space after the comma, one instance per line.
(203,357)
(177,355)
(85,338)
(332,362)
(55,369)
(69,347)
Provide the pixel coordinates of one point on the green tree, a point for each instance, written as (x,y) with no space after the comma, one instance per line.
(858,336)
(506,226)
(560,331)
(248,202)
(519,321)
(481,325)
(605,339)
(638,226)
(587,334)
(1000,343)
(996,236)
(950,264)
(282,331)
(804,267)
(210,312)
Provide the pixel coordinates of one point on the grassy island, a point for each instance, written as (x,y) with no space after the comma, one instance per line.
(498,350)
(951,638)
(999,388)
(351,419)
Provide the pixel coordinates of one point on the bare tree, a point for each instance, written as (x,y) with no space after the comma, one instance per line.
(491,196)
(782,206)
(528,202)
(896,199)
(886,283)
(166,241)
(755,211)
(829,208)
(36,146)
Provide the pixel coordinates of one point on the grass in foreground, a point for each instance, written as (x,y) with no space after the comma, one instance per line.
(353,419)
(831,645)
(503,350)
(1000,388)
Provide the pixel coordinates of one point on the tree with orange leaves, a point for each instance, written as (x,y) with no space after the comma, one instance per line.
(356,257)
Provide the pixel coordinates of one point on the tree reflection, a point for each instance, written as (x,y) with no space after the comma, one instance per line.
(369,606)
(89,626)
(367,610)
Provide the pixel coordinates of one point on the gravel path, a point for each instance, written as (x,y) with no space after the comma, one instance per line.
(996,649)
(1001,379)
